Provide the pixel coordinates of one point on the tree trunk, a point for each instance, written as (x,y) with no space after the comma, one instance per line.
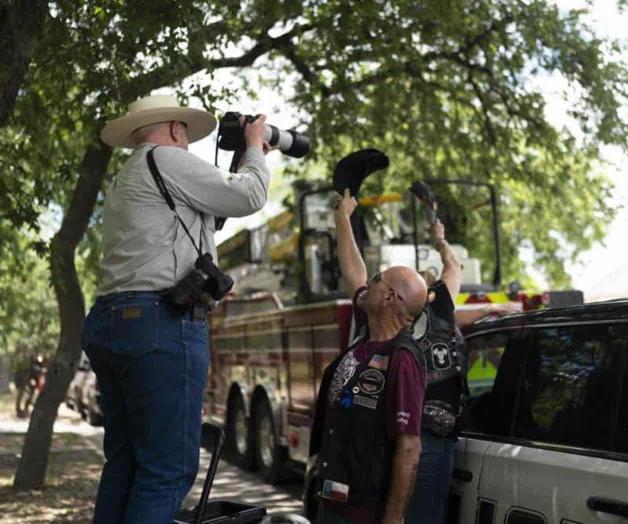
(31,471)
(22,23)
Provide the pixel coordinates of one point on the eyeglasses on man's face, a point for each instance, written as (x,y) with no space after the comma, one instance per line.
(377,277)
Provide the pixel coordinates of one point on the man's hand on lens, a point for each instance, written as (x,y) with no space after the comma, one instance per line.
(346,204)
(268,148)
(254,132)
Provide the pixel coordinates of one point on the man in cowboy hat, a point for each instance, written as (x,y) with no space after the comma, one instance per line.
(151,358)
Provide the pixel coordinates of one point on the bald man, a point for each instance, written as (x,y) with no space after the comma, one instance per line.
(368,415)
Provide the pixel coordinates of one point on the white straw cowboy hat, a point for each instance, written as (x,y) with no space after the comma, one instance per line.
(152,110)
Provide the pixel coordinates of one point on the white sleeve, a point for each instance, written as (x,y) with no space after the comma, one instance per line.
(211,190)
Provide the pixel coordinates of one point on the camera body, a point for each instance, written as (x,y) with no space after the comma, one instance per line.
(203,285)
(231,132)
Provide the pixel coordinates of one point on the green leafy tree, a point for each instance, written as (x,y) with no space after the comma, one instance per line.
(22,23)
(28,310)
(445,88)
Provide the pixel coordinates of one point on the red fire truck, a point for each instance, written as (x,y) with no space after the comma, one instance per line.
(290,316)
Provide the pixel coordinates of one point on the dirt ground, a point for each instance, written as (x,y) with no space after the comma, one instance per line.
(68,496)
(71,481)
(75,463)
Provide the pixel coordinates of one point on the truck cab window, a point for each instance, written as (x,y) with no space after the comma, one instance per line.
(569,390)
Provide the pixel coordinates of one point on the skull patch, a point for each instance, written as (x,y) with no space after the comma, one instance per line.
(440,356)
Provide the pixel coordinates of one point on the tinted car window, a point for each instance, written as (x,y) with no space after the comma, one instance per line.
(569,390)
(619,343)
(495,362)
(484,354)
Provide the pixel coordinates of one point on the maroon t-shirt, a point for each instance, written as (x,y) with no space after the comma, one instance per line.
(406,381)
(404,406)
(406,388)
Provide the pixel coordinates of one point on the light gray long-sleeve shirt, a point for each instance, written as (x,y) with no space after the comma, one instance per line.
(144,246)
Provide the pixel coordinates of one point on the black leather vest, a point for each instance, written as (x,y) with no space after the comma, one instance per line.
(438,348)
(355,459)
(444,396)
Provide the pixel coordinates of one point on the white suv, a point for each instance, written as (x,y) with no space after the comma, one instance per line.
(545,439)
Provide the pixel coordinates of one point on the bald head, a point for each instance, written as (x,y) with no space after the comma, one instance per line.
(410,286)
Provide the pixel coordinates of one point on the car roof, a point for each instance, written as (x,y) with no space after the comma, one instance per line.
(589,312)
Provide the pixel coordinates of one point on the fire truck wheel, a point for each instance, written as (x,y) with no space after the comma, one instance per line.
(270,455)
(239,442)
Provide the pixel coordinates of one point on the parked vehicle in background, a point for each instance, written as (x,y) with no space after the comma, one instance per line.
(74,394)
(546,436)
(83,393)
(91,400)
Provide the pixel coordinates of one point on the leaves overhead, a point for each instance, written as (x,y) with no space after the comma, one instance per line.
(454,91)
(447,89)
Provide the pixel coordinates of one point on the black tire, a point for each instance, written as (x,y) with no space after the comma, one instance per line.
(269,454)
(239,439)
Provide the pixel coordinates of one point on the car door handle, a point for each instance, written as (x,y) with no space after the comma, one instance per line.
(613,507)
(462,474)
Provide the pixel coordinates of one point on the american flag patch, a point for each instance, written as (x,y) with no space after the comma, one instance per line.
(335,491)
(379,362)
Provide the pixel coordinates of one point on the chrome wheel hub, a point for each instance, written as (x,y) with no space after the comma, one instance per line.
(240,430)
(266,442)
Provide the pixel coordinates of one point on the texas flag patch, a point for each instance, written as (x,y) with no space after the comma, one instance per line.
(379,362)
(335,491)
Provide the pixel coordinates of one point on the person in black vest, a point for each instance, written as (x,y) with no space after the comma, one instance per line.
(368,415)
(442,404)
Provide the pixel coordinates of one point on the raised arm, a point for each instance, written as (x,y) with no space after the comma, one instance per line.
(351,264)
(208,189)
(466,317)
(452,270)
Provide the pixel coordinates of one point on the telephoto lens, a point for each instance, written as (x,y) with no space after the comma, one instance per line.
(290,142)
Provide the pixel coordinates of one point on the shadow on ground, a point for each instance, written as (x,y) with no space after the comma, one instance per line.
(68,496)
(72,481)
(233,484)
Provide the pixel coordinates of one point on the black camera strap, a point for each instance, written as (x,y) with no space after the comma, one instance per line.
(152,166)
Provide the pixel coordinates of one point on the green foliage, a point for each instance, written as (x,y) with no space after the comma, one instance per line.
(445,88)
(28,310)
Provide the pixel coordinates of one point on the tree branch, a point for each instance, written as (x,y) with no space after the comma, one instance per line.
(171,73)
(22,22)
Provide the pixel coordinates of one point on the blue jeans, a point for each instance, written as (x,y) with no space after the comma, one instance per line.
(432,481)
(151,362)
